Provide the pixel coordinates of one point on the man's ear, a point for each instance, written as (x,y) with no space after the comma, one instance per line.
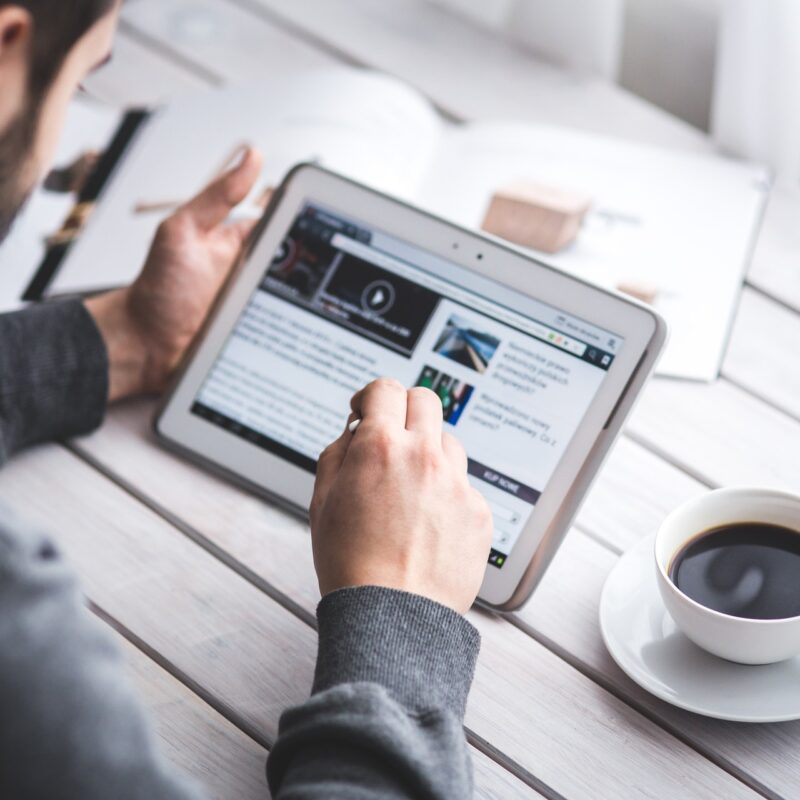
(16,29)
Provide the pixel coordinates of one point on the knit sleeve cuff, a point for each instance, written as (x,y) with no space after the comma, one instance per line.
(422,652)
(53,374)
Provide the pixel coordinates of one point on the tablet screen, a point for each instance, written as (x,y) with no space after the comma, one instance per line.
(343,303)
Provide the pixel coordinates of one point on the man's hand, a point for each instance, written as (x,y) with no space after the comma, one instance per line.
(392,505)
(148,326)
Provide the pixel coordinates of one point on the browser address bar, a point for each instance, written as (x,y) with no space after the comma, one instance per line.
(367,253)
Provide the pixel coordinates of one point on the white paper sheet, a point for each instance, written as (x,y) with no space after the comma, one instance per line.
(682,223)
(368,126)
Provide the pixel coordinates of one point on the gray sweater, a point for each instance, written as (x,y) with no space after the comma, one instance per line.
(393,669)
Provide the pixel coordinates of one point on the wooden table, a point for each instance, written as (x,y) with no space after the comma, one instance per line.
(212,592)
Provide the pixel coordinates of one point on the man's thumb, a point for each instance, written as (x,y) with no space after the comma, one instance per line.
(212,206)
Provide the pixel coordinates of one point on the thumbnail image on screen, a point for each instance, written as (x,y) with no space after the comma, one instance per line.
(460,342)
(311,272)
(453,393)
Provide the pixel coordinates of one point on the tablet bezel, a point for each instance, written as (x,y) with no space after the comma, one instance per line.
(642,329)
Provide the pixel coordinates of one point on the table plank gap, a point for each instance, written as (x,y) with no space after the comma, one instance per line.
(161,48)
(194,686)
(276,20)
(762,397)
(138,76)
(717,433)
(602,540)
(631,496)
(502,760)
(762,356)
(327,46)
(663,454)
(192,533)
(773,269)
(194,737)
(308,36)
(612,688)
(227,41)
(770,294)
(433,49)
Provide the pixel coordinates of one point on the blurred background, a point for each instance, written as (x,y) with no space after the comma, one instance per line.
(672,125)
(729,67)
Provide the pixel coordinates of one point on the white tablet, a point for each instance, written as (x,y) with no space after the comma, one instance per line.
(536,370)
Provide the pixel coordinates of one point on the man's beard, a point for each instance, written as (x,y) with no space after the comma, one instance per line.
(16,145)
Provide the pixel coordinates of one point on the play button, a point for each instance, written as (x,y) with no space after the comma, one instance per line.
(378,297)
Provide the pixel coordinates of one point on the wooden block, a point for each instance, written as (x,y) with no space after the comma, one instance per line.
(641,291)
(537,216)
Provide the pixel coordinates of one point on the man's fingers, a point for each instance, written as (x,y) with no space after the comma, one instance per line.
(454,451)
(212,206)
(382,402)
(328,466)
(330,460)
(242,229)
(424,412)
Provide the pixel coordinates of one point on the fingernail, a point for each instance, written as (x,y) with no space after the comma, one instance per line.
(239,156)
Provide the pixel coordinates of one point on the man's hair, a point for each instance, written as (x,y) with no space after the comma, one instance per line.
(57,27)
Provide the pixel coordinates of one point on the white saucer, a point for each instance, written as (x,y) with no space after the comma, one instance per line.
(644,641)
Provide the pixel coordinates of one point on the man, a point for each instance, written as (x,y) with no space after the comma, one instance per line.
(395,658)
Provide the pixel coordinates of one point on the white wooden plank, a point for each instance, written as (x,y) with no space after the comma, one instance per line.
(633,493)
(719,433)
(222,38)
(195,738)
(519,684)
(775,261)
(166,590)
(471,72)
(764,352)
(138,76)
(226,762)
(492,781)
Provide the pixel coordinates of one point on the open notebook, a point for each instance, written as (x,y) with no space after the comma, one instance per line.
(682,223)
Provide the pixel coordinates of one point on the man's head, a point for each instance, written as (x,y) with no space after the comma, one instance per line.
(47,47)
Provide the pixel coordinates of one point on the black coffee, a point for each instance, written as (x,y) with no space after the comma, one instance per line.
(747,570)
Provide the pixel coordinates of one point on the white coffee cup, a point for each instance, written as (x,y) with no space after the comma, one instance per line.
(748,641)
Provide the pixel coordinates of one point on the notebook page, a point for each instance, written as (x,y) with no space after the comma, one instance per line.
(368,126)
(682,223)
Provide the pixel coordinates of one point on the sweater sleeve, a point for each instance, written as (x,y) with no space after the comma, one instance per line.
(53,375)
(71,725)
(385,716)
